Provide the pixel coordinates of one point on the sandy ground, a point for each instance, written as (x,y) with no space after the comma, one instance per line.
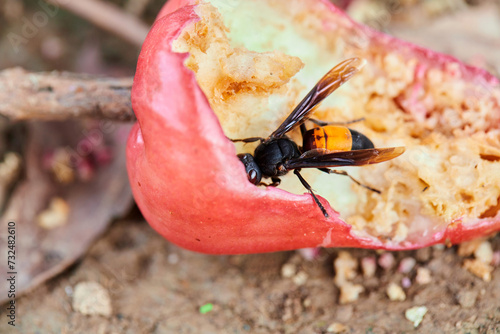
(156,287)
(144,284)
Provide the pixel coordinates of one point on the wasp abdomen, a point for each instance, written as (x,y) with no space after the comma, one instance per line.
(335,138)
(360,141)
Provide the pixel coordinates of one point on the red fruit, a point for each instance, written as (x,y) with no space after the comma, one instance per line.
(192,189)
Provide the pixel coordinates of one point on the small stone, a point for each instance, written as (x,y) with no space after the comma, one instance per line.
(10,167)
(406,265)
(350,292)
(479,268)
(369,266)
(405,282)
(467,299)
(423,276)
(55,215)
(395,292)
(336,327)
(90,298)
(300,278)
(484,252)
(469,247)
(416,314)
(288,270)
(386,261)
(345,268)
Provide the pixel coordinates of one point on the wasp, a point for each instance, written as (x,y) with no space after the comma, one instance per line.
(323,147)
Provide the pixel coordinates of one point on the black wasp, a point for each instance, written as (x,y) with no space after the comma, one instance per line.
(324,146)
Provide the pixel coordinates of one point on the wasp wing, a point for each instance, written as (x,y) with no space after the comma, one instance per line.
(345,158)
(327,85)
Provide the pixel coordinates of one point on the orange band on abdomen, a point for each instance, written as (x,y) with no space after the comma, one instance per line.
(337,138)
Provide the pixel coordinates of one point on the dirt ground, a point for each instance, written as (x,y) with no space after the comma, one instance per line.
(156,287)
(148,285)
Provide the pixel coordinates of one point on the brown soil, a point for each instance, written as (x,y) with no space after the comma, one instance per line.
(156,287)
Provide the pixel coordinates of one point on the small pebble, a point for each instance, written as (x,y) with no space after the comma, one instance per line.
(416,314)
(406,265)
(369,266)
(479,268)
(10,167)
(55,215)
(300,278)
(386,261)
(345,268)
(469,247)
(405,282)
(350,292)
(395,292)
(484,252)
(91,298)
(288,270)
(336,327)
(423,276)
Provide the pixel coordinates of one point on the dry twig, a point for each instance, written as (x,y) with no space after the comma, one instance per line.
(136,7)
(109,17)
(61,95)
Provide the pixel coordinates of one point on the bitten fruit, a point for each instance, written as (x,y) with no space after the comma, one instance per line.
(218,69)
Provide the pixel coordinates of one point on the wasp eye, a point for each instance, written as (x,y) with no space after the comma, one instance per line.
(253,171)
(252,176)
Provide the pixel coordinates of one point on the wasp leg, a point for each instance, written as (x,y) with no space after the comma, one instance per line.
(303,129)
(323,123)
(247,140)
(276,182)
(308,187)
(341,172)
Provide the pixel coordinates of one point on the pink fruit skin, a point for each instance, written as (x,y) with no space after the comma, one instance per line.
(193,190)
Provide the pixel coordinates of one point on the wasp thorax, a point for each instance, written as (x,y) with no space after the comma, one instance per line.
(273,154)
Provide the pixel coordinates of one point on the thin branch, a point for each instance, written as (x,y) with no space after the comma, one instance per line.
(62,95)
(108,17)
(136,7)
